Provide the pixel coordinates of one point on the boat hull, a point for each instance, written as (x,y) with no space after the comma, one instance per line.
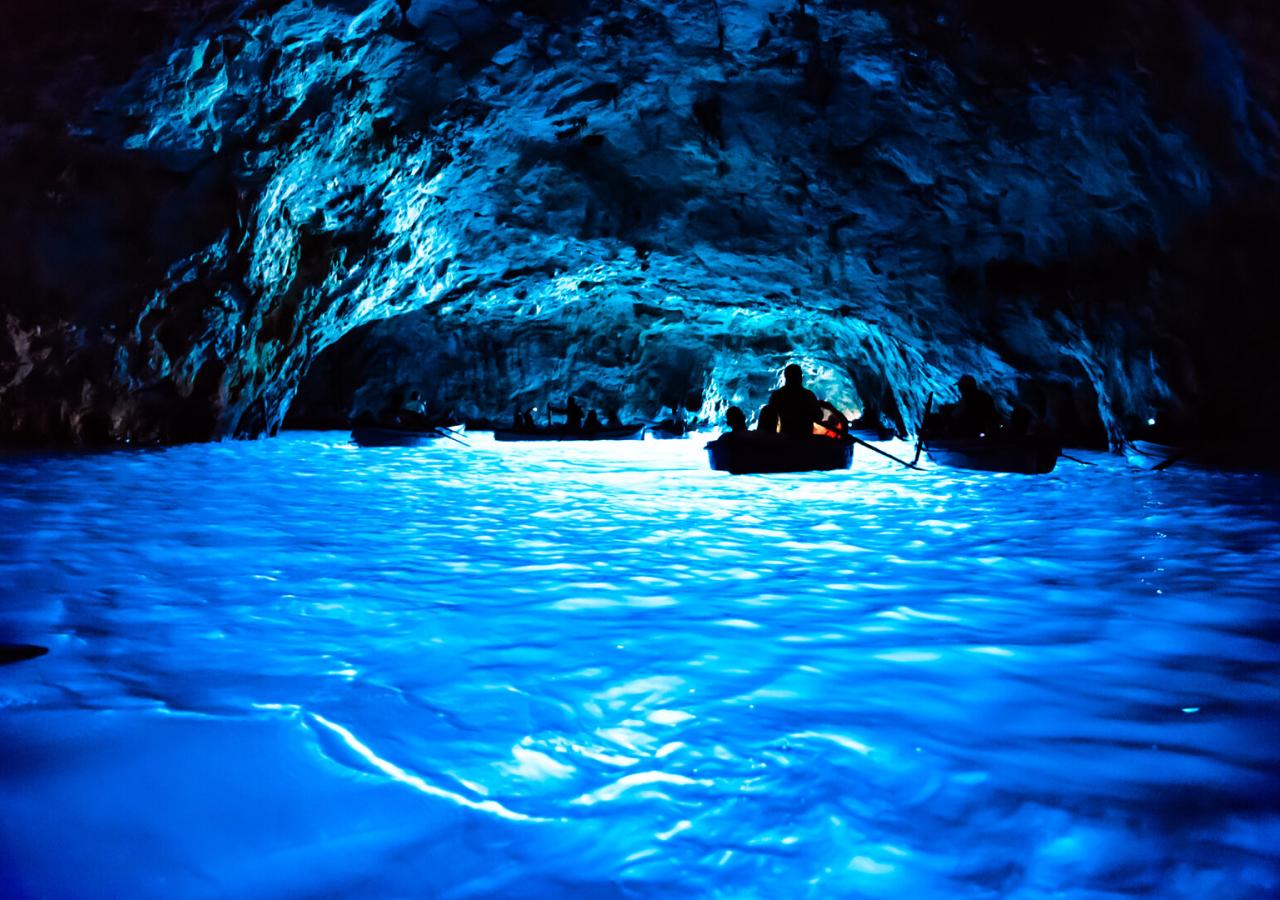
(626,433)
(376,436)
(1150,455)
(982,455)
(752,455)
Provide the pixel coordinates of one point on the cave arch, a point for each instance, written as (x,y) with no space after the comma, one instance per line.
(644,184)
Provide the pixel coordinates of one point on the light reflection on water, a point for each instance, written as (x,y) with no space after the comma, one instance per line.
(604,670)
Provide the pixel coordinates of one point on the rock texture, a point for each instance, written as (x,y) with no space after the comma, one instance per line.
(642,203)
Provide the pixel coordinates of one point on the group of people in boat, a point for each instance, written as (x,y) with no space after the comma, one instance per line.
(793,410)
(576,419)
(408,412)
(588,421)
(974,415)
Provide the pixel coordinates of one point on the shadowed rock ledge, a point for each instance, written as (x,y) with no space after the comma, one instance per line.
(643,203)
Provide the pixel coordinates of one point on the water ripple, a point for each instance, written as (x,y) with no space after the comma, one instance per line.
(529,668)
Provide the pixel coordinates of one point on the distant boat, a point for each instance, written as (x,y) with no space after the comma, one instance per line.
(668,431)
(1150,455)
(754,454)
(985,454)
(623,433)
(870,430)
(1212,455)
(382,436)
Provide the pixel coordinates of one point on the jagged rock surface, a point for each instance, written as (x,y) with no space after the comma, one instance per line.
(641,203)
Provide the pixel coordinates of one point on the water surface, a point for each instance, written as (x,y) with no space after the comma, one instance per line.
(296,667)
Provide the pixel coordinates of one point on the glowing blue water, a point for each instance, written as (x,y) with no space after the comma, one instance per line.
(295,667)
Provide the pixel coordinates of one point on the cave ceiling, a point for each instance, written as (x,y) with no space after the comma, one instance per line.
(213,205)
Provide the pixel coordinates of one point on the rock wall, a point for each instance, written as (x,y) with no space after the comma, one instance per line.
(643,203)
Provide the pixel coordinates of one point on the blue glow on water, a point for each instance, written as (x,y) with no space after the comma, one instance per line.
(296,667)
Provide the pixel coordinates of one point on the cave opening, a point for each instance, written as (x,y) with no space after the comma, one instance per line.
(644,364)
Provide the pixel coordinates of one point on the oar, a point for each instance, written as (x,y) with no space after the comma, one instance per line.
(1075,459)
(928,408)
(1164,464)
(445,432)
(1177,458)
(845,435)
(858,440)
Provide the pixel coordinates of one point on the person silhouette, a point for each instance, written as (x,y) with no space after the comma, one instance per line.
(797,406)
(573,415)
(736,419)
(975,413)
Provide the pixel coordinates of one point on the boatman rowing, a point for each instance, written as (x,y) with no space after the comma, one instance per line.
(797,406)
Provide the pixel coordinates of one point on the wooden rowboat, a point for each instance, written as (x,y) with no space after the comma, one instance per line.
(749,454)
(994,454)
(1150,455)
(665,431)
(380,436)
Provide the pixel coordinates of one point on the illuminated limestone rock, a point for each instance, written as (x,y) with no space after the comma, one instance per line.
(646,203)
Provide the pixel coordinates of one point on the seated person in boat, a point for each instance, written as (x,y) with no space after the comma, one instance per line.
(883,420)
(768,421)
(736,419)
(523,421)
(797,406)
(973,415)
(592,425)
(1020,425)
(572,413)
(408,412)
(676,424)
(834,422)
(413,412)
(1027,429)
